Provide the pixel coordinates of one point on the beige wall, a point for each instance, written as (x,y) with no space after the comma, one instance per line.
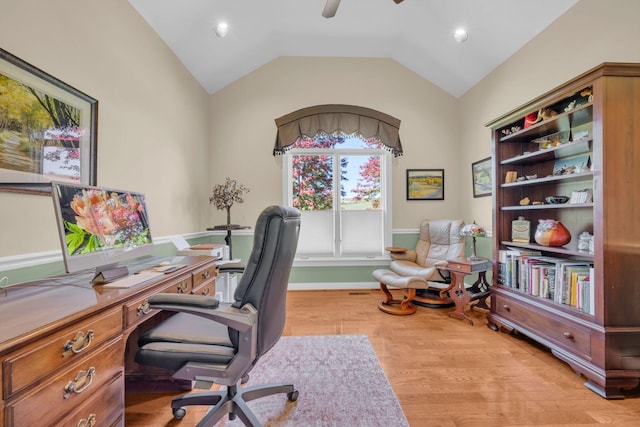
(242,127)
(160,133)
(590,33)
(153,121)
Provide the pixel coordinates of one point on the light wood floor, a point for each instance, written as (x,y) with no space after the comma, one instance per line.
(444,371)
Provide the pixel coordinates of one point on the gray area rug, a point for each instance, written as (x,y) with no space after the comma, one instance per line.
(339,379)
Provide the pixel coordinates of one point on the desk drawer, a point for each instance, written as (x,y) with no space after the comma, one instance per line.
(208,288)
(138,310)
(102,409)
(204,274)
(54,399)
(468,267)
(559,331)
(30,364)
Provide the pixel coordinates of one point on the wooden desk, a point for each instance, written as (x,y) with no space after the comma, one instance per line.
(477,292)
(64,343)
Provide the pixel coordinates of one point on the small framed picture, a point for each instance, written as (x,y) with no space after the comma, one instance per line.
(481,177)
(425,184)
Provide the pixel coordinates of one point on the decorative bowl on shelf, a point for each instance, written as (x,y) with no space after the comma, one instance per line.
(551,233)
(556,200)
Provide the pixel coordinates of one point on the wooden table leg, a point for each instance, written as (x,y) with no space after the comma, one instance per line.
(459,296)
(480,291)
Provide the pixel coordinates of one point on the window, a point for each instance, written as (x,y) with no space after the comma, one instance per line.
(341,184)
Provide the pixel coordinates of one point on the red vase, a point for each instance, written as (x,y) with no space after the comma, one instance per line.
(552,233)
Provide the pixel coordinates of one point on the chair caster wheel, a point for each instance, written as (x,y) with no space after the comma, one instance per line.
(179,413)
(244,379)
(292,396)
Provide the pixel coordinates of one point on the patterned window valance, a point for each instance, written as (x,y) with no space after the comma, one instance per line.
(335,117)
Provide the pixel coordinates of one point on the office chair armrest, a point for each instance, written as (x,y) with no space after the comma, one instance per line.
(232,267)
(240,319)
(184,300)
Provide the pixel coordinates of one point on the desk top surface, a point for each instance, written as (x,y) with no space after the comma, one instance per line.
(28,308)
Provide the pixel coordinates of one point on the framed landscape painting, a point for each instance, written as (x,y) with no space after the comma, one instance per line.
(425,184)
(481,177)
(48,129)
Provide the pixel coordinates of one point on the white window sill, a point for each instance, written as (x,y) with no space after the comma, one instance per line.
(344,261)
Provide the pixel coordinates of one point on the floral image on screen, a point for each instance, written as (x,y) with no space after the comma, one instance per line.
(99,219)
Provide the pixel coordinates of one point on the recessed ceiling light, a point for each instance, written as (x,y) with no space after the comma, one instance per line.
(221,30)
(460,35)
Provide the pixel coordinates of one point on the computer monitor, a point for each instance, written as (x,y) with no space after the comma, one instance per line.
(100,227)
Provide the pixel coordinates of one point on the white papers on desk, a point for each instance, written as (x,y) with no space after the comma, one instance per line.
(185,249)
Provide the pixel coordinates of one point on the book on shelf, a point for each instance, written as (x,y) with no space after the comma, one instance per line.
(562,280)
(565,286)
(509,269)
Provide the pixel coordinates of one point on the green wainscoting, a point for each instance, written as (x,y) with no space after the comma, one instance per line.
(241,245)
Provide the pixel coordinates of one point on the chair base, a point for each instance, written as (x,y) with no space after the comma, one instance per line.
(432,298)
(232,402)
(396,306)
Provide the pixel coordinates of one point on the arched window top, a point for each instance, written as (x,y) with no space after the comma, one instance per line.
(332,118)
(338,139)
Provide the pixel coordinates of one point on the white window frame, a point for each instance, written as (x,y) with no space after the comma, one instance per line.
(386,197)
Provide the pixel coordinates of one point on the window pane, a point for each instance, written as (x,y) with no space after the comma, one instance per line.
(316,233)
(312,181)
(362,233)
(361,218)
(360,182)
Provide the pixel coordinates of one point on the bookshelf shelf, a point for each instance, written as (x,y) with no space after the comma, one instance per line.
(564,150)
(571,250)
(547,206)
(551,179)
(563,121)
(585,314)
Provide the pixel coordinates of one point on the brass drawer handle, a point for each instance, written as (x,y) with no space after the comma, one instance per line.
(144,308)
(506,307)
(205,291)
(89,422)
(80,342)
(205,274)
(568,335)
(183,287)
(81,382)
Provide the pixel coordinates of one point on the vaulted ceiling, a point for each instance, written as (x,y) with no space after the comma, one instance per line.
(415,33)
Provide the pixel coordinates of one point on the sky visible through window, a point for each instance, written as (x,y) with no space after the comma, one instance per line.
(354,163)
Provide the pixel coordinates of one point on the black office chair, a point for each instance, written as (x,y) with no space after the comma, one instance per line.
(211,342)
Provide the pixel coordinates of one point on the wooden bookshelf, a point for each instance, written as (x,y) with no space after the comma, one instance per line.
(603,346)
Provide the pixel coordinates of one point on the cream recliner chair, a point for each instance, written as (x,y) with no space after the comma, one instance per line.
(422,272)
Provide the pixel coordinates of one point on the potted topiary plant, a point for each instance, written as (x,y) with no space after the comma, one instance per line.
(223,196)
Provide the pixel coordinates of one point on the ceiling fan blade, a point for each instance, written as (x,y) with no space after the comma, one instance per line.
(330,8)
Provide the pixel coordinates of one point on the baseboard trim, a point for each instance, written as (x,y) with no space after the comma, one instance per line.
(331,286)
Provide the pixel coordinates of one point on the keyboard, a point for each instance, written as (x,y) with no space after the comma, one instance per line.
(134,279)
